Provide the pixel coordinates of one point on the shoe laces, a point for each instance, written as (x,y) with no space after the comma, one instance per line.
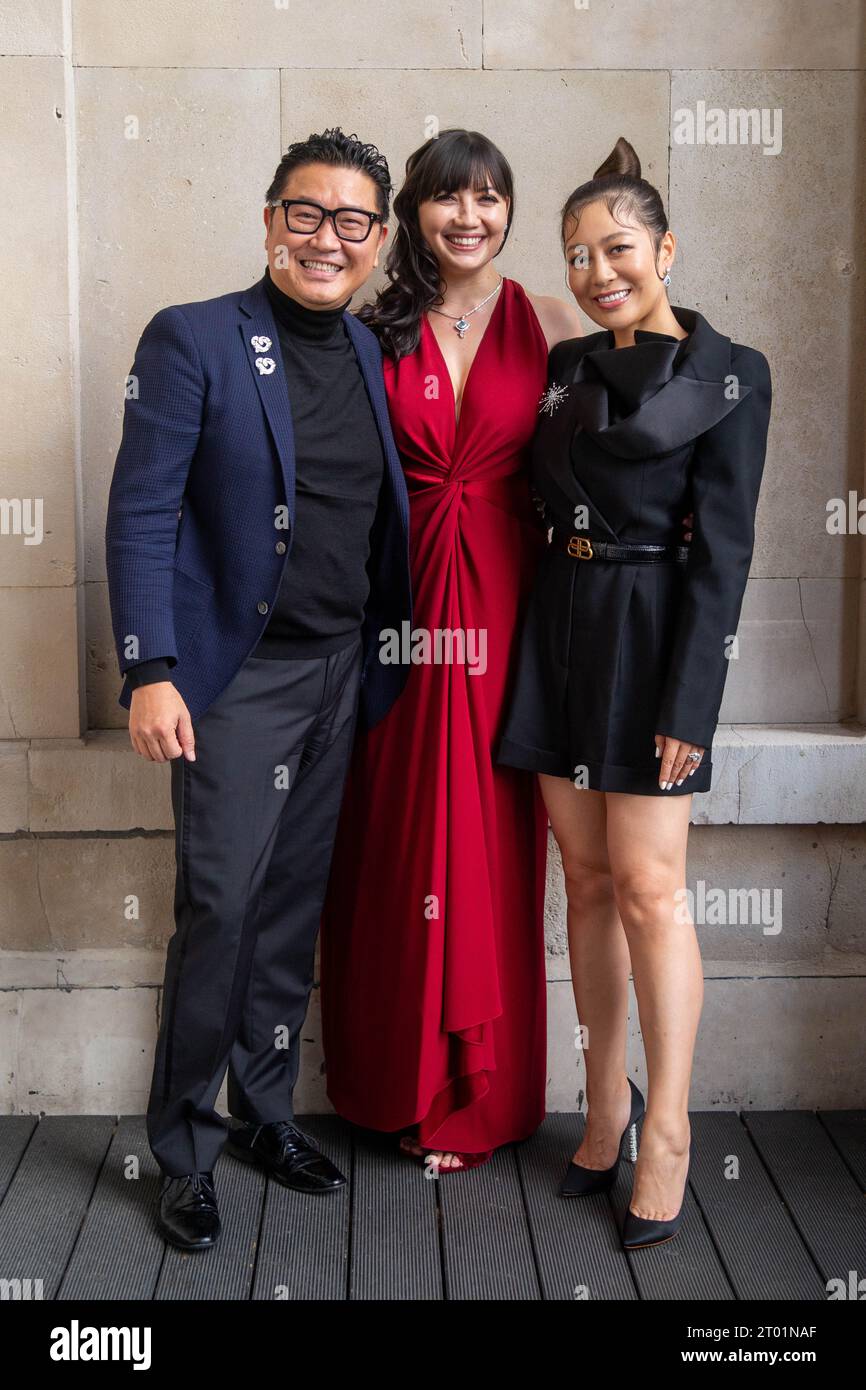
(200,1185)
(287,1133)
(202,1188)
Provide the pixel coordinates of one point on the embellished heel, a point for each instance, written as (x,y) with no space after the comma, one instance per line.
(583,1182)
(632,1143)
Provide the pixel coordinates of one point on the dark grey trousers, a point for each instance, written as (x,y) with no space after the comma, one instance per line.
(255,820)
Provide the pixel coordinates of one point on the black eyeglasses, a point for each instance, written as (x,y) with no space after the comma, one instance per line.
(350,224)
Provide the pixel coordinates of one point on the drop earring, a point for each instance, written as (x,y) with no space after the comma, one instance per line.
(667,279)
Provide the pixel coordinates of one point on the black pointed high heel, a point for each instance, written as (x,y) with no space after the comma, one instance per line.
(583,1182)
(638,1232)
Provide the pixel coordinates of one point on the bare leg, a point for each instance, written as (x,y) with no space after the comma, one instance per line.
(598,952)
(646,841)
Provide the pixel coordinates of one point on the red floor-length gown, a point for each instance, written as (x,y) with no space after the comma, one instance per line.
(432,959)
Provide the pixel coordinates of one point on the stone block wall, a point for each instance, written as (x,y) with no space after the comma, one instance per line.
(137,143)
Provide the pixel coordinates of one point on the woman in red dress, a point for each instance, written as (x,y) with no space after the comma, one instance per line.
(432,955)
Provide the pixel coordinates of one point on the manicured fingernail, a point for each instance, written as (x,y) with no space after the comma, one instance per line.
(658,751)
(679,781)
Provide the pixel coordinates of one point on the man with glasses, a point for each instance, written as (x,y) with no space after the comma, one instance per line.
(257,543)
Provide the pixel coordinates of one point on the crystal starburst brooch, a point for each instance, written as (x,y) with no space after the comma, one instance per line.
(552,397)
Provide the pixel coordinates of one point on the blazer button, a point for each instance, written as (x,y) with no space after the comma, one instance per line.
(262,606)
(280,547)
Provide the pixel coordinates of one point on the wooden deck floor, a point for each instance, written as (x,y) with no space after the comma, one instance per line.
(77,1196)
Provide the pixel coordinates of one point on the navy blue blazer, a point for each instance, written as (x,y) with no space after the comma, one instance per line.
(203,492)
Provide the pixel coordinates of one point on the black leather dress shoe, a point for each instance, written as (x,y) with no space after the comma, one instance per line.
(187,1211)
(286,1153)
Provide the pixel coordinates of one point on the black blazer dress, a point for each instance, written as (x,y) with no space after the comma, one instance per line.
(629,441)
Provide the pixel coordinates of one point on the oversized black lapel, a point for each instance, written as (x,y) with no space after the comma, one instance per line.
(262,343)
(672,408)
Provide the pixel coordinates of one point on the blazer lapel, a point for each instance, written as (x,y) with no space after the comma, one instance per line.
(262,344)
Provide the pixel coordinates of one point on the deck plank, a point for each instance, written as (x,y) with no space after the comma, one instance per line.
(847,1129)
(824,1199)
(576,1241)
(759,1245)
(47,1200)
(119,1253)
(486,1241)
(15,1134)
(74,1215)
(395,1225)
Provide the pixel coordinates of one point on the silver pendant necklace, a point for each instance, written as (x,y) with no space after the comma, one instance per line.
(461,323)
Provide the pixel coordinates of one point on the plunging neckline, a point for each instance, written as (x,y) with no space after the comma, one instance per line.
(459,417)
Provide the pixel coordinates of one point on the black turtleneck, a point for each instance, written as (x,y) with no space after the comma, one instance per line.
(339,465)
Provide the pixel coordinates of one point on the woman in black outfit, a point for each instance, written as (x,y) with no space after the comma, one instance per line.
(624,653)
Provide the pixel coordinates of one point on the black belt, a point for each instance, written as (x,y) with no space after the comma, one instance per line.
(588,548)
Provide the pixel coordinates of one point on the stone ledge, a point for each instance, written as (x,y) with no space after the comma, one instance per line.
(803,774)
(792,774)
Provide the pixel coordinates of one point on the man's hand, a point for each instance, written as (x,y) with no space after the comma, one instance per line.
(159,724)
(688,522)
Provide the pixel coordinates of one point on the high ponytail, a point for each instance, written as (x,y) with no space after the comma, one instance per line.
(622,161)
(618,184)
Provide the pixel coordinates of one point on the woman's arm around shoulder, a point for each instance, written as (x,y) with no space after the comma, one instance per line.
(559,320)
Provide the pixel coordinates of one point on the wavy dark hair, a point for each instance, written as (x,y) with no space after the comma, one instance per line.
(618,184)
(333,146)
(452,160)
